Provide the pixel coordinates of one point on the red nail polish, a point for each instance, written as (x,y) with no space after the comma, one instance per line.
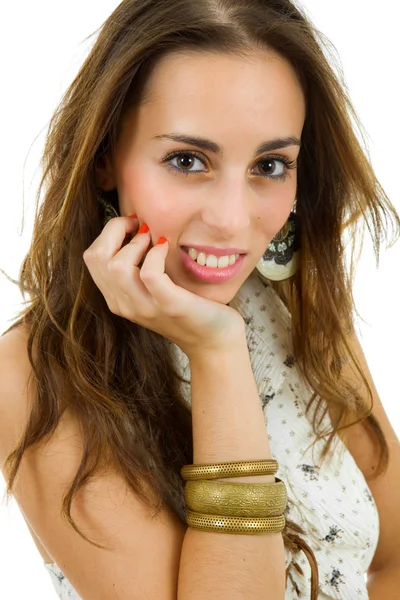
(144,228)
(132,216)
(162,240)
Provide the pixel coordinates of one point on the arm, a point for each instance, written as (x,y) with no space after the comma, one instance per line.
(384,584)
(228,424)
(384,571)
(105,509)
(109,513)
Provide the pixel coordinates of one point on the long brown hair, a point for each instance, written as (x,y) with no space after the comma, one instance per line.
(120,379)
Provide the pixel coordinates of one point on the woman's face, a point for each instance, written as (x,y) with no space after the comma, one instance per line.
(221,194)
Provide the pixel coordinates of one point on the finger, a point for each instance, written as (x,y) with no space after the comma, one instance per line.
(104,247)
(159,284)
(124,269)
(125,266)
(110,240)
(132,253)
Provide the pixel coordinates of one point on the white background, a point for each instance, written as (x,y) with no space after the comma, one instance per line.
(42,45)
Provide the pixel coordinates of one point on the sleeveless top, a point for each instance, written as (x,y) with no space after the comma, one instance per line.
(329,499)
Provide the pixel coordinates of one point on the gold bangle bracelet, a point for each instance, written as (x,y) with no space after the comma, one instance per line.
(240,468)
(236,499)
(240,525)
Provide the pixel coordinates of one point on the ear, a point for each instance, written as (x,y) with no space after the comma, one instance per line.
(105,177)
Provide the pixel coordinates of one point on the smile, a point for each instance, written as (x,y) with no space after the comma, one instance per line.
(210,268)
(212,261)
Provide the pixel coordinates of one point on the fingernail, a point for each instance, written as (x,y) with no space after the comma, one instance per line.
(132,216)
(144,228)
(162,240)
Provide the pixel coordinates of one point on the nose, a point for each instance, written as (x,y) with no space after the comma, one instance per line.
(227,210)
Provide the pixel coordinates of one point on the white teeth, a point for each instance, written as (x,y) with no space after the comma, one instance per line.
(201,259)
(193,253)
(223,262)
(211,260)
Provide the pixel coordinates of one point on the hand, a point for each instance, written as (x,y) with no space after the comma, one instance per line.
(136,287)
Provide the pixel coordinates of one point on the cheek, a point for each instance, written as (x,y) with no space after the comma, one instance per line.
(141,190)
(156,198)
(276,210)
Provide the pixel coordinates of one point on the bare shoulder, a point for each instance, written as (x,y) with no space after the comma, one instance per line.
(14,353)
(105,509)
(15,369)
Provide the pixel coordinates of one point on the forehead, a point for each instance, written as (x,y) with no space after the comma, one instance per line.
(219,82)
(223,97)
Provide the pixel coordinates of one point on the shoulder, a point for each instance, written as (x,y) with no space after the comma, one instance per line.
(105,508)
(12,342)
(17,392)
(14,351)
(15,371)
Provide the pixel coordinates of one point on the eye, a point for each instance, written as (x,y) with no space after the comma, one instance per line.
(186,160)
(269,163)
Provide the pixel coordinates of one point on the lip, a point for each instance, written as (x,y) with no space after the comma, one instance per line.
(208,273)
(216,251)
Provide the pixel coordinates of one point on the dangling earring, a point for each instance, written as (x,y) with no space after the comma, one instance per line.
(109,209)
(282,257)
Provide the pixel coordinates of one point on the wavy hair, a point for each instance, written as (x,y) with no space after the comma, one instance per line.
(120,379)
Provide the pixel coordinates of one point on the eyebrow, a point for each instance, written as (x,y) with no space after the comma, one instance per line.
(206,144)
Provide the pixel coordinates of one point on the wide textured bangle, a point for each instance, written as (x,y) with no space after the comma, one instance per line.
(236,499)
(240,468)
(240,525)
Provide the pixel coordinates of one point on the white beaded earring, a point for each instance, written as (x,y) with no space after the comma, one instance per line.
(282,257)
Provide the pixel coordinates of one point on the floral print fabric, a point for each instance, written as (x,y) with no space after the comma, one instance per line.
(63,587)
(329,499)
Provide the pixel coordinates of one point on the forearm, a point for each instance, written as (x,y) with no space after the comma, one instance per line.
(384,584)
(228,424)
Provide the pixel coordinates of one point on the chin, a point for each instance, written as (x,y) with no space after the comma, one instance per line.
(220,296)
(222,293)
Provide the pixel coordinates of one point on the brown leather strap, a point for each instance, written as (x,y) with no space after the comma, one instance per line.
(313,565)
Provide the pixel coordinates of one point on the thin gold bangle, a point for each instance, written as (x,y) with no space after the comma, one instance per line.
(229,469)
(239,525)
(236,499)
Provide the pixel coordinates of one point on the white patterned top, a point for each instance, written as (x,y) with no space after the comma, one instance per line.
(330,500)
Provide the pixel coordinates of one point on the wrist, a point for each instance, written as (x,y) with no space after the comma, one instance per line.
(232,348)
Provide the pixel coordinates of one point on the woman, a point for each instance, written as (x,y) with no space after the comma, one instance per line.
(190,305)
